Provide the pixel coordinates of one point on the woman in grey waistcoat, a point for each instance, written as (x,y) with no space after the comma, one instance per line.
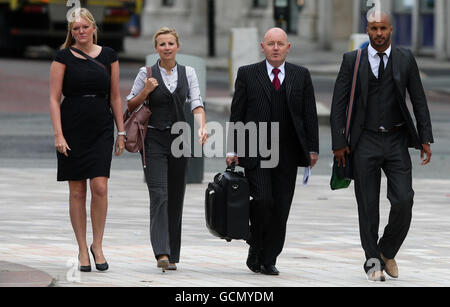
(170,86)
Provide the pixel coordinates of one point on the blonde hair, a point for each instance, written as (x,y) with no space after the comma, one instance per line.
(72,18)
(165,30)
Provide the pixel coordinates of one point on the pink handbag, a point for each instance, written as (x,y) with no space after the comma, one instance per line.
(136,125)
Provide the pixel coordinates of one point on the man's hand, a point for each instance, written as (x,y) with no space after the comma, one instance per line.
(426,151)
(232,159)
(314,159)
(340,155)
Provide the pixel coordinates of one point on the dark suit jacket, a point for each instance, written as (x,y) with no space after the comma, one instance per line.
(251,103)
(406,76)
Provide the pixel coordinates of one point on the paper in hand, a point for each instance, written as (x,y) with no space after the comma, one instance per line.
(306,176)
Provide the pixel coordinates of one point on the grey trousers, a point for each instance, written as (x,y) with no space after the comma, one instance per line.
(166,180)
(376,152)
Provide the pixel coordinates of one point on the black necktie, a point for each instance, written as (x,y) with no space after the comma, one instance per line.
(381,67)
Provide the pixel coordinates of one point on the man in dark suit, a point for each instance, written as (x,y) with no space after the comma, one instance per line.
(381,132)
(274,91)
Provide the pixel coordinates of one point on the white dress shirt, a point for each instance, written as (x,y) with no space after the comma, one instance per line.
(171,83)
(281,74)
(374,59)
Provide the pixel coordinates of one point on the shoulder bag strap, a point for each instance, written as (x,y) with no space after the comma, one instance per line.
(90,58)
(149,71)
(149,75)
(141,129)
(352,94)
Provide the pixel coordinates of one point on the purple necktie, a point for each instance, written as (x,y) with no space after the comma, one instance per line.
(276,82)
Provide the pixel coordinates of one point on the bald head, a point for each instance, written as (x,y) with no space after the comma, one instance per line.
(275,32)
(275,46)
(378,16)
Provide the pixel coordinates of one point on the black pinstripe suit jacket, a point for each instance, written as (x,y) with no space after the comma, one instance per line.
(251,103)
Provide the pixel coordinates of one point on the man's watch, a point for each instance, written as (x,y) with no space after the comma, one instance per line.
(122,133)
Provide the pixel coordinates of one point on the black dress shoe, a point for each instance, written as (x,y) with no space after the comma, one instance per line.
(269,270)
(253,262)
(102,266)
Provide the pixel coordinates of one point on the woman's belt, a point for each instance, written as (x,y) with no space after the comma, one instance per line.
(89,96)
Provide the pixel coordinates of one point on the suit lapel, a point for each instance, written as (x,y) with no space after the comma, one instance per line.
(264,79)
(288,80)
(396,70)
(364,76)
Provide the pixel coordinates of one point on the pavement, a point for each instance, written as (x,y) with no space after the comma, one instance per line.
(322,244)
(17,275)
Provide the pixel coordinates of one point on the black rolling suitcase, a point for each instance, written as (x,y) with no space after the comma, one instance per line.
(227,206)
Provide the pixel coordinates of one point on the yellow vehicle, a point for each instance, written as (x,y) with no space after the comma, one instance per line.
(43,22)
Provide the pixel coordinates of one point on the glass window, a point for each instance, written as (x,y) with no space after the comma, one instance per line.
(426,5)
(427,30)
(403,6)
(260,3)
(427,22)
(281,3)
(168,3)
(402,21)
(403,29)
(363,22)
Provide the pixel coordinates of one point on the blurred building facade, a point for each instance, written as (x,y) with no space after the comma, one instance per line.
(299,17)
(190,17)
(418,24)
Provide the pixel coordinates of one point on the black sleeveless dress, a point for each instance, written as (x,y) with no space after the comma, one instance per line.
(86,116)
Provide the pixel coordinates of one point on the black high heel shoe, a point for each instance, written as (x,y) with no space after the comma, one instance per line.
(83,268)
(101,267)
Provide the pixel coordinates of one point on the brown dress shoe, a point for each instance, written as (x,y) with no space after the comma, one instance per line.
(391,267)
(376,276)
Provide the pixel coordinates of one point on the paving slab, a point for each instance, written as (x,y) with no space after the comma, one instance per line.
(17,275)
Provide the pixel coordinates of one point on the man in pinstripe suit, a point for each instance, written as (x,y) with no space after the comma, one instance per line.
(274,91)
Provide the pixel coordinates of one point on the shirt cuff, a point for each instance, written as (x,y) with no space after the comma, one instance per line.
(131,96)
(196,104)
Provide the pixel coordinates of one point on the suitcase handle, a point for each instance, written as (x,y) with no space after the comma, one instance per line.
(217,178)
(231,168)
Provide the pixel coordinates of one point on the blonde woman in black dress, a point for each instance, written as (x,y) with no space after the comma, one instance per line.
(84,127)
